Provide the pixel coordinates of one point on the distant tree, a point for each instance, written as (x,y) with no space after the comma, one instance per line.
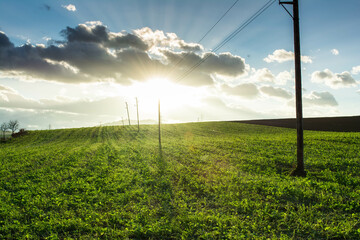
(13,125)
(20,133)
(4,126)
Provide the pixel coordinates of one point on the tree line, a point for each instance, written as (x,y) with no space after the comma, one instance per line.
(12,125)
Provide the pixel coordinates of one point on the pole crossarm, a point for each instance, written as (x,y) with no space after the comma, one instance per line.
(286,2)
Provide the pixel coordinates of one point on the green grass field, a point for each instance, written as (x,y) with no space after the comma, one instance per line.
(216,180)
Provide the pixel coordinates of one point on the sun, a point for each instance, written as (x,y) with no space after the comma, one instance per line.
(174,98)
(158,88)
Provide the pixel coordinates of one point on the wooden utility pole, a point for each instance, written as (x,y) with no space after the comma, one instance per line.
(159,125)
(127,109)
(300,170)
(137,113)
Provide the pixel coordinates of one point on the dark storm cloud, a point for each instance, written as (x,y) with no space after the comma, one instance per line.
(88,57)
(126,40)
(83,33)
(5,42)
(224,64)
(100,34)
(27,59)
(90,52)
(137,65)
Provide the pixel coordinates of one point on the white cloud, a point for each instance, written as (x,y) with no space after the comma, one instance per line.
(93,23)
(320,99)
(263,75)
(46,38)
(333,80)
(103,106)
(335,51)
(70,7)
(306,59)
(276,92)
(283,77)
(158,38)
(5,89)
(214,108)
(355,70)
(246,90)
(40,119)
(281,55)
(64,112)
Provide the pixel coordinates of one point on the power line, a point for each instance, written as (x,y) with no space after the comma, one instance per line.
(202,38)
(244,25)
(227,39)
(218,21)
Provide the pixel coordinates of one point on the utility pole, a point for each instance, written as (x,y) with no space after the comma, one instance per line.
(299,171)
(159,126)
(137,113)
(127,109)
(122,119)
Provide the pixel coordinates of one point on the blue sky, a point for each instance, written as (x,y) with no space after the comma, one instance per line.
(251,77)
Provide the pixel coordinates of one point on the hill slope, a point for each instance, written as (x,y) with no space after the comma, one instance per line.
(333,124)
(211,180)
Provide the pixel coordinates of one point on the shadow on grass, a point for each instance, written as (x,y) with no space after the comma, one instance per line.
(163,186)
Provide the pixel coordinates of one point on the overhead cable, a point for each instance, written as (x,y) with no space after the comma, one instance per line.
(202,38)
(227,39)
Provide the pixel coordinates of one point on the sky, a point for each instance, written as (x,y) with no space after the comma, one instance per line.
(77,63)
